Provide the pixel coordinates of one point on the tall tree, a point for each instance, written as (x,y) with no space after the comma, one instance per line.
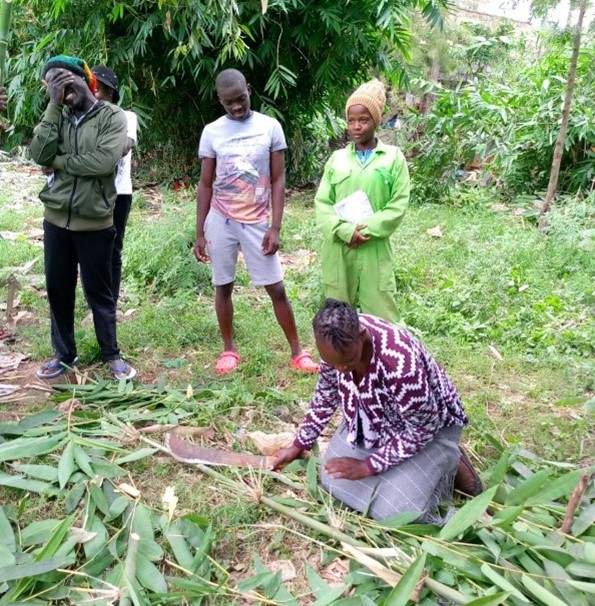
(301,56)
(559,147)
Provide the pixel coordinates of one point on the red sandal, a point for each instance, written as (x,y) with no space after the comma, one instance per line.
(227,362)
(304,363)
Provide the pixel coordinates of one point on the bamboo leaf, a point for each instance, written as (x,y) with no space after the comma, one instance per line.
(149,576)
(401,593)
(51,547)
(490,600)
(150,550)
(528,487)
(581,568)
(142,524)
(316,582)
(583,586)
(498,472)
(467,515)
(178,545)
(559,487)
(6,533)
(135,456)
(25,484)
(455,559)
(24,448)
(33,569)
(98,498)
(555,554)
(46,552)
(82,460)
(312,476)
(66,465)
(117,508)
(74,496)
(330,596)
(38,532)
(560,580)
(503,583)
(97,543)
(541,593)
(399,520)
(7,558)
(200,563)
(41,472)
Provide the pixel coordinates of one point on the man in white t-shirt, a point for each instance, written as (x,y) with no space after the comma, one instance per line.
(242,175)
(107,90)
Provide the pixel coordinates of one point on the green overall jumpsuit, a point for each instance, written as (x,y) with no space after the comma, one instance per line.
(363,276)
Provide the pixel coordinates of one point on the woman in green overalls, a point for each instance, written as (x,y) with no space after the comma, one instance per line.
(361,200)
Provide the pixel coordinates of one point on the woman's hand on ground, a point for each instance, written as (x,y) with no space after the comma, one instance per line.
(285,456)
(347,468)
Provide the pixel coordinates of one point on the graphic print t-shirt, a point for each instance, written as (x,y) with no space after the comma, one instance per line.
(242,148)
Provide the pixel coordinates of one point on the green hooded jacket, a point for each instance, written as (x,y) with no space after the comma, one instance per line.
(81,193)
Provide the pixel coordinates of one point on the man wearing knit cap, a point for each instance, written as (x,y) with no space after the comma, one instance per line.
(362,197)
(81,139)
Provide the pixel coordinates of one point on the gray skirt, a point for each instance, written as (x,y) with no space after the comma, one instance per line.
(418,484)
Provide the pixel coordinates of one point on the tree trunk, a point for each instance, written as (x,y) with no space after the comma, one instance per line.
(559,147)
(5,13)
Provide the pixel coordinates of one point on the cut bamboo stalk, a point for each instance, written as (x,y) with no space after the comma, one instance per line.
(574,501)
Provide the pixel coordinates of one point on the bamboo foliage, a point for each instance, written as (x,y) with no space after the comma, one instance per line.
(503,547)
(5,17)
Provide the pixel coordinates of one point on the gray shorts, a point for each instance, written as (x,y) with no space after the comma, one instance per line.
(225,237)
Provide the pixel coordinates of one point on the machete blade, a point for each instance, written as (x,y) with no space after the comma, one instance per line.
(186,452)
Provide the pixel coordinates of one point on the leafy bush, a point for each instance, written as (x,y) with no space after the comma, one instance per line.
(301,56)
(509,121)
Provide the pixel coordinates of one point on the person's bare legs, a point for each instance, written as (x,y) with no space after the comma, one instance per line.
(224,310)
(284,315)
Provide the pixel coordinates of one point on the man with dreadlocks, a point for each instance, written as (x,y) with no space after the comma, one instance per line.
(397,448)
(81,139)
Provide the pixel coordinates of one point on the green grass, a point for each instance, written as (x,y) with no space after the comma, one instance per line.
(492,282)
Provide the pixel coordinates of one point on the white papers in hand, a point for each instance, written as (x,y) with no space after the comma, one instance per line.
(354,208)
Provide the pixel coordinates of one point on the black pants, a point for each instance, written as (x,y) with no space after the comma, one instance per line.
(64,250)
(121,212)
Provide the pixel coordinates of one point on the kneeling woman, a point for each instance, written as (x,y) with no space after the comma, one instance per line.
(397,448)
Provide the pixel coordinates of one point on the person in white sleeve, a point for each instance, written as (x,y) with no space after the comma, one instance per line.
(107,90)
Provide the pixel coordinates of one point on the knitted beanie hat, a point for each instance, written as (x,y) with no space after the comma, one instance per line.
(372,96)
(74,65)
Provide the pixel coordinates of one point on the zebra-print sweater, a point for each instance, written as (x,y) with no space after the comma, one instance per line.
(402,401)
